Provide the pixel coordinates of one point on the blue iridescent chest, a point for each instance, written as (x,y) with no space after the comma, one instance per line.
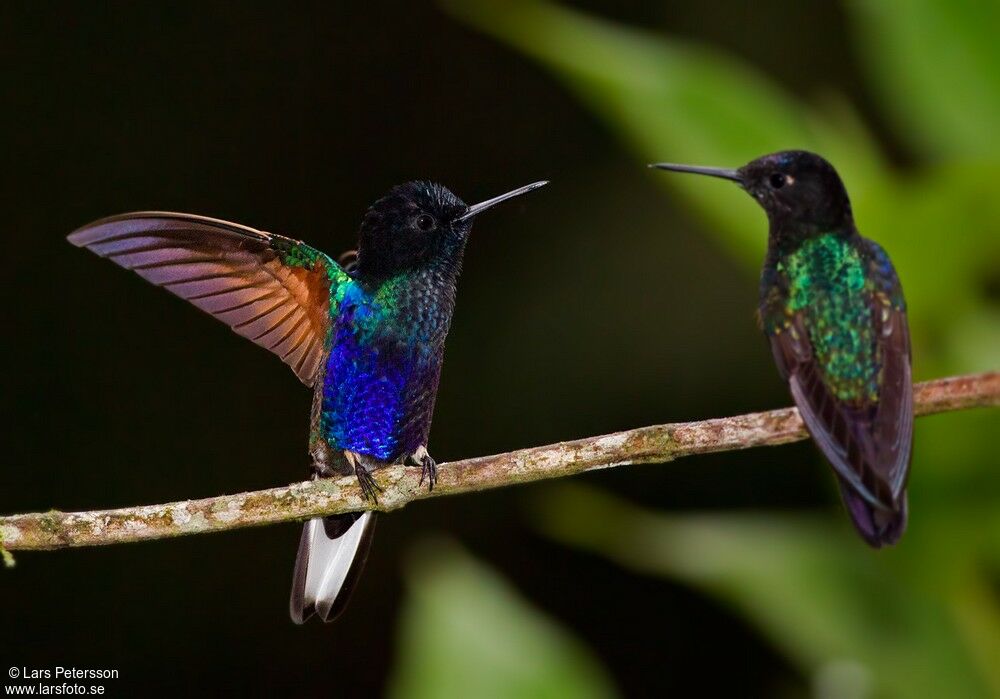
(381,375)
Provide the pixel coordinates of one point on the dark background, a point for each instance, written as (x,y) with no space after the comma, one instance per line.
(591,306)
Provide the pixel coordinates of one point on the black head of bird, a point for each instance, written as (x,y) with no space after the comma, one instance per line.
(795,188)
(418,223)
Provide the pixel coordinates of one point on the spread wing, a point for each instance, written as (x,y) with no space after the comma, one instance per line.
(268,288)
(868,444)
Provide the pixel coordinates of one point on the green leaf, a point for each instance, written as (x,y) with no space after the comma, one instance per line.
(936,70)
(920,619)
(678,101)
(808,584)
(466,633)
(942,228)
(675,100)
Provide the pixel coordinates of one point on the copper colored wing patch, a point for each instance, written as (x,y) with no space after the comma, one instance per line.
(234,272)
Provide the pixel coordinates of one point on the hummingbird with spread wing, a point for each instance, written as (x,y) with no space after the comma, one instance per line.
(833,311)
(367,336)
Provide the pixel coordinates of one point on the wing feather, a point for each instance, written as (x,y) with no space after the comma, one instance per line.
(867,444)
(892,429)
(836,428)
(270,289)
(868,441)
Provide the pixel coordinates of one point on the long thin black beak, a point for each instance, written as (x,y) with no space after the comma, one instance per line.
(733,175)
(479,208)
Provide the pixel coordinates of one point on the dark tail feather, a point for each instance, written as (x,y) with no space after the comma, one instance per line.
(332,553)
(876,526)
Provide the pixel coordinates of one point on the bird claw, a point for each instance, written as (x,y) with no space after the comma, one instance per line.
(369,488)
(427,464)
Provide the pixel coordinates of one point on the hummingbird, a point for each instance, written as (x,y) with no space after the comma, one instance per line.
(366,333)
(833,311)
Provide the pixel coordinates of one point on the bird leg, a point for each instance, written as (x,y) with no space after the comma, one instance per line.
(326,463)
(427,464)
(369,488)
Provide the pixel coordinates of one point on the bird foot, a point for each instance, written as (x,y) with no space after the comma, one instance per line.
(369,488)
(427,465)
(319,470)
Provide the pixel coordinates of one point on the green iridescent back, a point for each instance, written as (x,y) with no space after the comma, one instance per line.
(828,283)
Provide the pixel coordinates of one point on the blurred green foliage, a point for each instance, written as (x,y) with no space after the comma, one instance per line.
(921,620)
(466,633)
(804,584)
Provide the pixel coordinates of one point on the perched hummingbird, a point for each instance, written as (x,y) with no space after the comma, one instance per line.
(832,308)
(367,337)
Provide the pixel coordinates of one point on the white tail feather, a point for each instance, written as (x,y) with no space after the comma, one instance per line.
(323,566)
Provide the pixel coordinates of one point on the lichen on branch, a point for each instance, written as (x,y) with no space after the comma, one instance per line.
(401,484)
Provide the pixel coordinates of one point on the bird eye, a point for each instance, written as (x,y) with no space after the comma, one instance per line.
(425,223)
(777,180)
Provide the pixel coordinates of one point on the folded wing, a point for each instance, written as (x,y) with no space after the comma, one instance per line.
(869,444)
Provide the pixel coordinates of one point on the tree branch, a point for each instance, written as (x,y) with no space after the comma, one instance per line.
(660,443)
